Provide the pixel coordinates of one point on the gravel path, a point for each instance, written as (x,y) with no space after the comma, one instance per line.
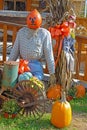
(79,122)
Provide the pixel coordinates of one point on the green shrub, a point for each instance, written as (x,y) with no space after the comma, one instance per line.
(11,106)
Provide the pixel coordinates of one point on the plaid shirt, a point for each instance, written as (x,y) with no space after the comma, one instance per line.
(34,45)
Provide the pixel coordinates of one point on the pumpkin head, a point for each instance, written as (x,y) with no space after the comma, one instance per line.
(34,19)
(54,92)
(61,115)
(80,91)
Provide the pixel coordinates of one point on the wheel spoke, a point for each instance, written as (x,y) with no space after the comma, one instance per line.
(30,97)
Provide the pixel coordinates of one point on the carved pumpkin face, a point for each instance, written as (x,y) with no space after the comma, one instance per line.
(34,19)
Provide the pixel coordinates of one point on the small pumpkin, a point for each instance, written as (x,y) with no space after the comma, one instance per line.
(61,115)
(80,91)
(6,115)
(13,115)
(54,92)
(69,98)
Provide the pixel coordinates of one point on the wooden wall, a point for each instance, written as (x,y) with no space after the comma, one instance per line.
(78,5)
(30,4)
(34,4)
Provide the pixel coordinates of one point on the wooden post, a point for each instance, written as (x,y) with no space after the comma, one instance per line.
(1,4)
(14,34)
(4,41)
(28,5)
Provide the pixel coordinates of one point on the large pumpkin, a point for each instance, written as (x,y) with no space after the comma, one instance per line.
(54,92)
(80,91)
(61,115)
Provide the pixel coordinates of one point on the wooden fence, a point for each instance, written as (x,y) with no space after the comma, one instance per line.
(5,27)
(81,21)
(81,58)
(80,53)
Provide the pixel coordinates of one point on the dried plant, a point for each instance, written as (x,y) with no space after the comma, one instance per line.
(59,10)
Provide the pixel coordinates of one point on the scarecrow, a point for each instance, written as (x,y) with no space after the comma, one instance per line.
(33,44)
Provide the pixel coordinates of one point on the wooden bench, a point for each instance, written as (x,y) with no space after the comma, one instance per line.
(80,52)
(6,26)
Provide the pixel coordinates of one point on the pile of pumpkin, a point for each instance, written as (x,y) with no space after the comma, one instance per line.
(61,114)
(54,92)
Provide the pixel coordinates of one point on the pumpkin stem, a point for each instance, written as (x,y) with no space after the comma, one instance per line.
(63,99)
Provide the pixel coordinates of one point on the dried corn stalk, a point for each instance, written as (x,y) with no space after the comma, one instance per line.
(59,11)
(63,77)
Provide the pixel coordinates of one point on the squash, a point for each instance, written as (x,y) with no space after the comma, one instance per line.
(80,91)
(25,76)
(38,82)
(54,92)
(61,115)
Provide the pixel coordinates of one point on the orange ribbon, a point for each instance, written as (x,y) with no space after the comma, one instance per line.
(23,66)
(62,29)
(58,33)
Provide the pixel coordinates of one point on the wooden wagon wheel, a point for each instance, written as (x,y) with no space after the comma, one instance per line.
(30,97)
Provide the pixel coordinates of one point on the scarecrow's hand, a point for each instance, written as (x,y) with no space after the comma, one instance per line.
(52,79)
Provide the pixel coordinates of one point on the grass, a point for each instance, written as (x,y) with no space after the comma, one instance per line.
(26,123)
(23,123)
(79,105)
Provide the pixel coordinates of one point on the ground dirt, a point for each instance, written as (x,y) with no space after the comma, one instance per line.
(79,122)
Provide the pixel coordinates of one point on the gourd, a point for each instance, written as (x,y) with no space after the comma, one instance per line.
(25,76)
(54,92)
(61,115)
(80,91)
(37,82)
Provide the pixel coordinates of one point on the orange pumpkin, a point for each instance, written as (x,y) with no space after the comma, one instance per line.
(54,92)
(61,115)
(34,19)
(80,91)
